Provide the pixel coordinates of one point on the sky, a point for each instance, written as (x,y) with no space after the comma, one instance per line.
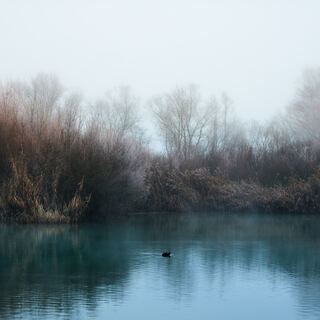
(255,50)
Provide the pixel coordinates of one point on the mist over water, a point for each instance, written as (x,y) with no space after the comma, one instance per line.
(112,110)
(223,266)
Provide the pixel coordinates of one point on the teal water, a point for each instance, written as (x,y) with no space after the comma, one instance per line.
(224,267)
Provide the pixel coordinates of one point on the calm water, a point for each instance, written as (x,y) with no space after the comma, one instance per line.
(224,267)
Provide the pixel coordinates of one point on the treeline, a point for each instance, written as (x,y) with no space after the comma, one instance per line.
(62,160)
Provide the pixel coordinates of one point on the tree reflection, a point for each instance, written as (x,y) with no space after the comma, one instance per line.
(55,269)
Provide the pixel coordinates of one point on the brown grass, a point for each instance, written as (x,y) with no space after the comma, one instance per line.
(172,190)
(26,199)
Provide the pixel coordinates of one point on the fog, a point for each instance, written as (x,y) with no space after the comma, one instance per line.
(253,50)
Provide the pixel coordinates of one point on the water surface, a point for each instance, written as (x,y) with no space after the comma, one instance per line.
(224,266)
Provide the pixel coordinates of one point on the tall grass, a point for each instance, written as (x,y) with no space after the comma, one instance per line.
(26,199)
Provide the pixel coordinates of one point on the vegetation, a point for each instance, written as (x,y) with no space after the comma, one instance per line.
(57,167)
(64,161)
(174,190)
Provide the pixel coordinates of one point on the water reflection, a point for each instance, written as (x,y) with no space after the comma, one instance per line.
(224,266)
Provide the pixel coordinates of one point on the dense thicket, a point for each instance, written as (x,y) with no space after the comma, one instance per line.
(57,166)
(63,161)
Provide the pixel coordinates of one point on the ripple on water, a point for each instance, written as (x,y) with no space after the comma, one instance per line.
(224,267)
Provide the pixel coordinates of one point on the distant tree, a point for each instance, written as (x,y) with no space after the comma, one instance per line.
(118,114)
(116,124)
(182,121)
(303,114)
(226,134)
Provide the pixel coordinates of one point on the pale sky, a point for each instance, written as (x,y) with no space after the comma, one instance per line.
(255,50)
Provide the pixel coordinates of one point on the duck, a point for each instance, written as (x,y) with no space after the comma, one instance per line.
(166,254)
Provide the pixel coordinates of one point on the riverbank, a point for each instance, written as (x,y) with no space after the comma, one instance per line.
(170,190)
(174,190)
(59,164)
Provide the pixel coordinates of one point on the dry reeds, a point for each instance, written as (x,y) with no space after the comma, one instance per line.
(193,190)
(27,199)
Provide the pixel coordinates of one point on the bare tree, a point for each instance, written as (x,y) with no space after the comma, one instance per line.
(118,114)
(226,110)
(40,99)
(303,114)
(226,130)
(182,122)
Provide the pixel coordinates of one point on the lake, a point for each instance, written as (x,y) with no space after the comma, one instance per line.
(224,266)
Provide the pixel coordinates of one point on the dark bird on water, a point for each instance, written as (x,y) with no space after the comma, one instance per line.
(166,254)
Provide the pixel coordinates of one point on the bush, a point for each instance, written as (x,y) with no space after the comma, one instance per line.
(172,190)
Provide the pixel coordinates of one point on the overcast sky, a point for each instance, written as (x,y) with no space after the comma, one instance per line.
(255,50)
